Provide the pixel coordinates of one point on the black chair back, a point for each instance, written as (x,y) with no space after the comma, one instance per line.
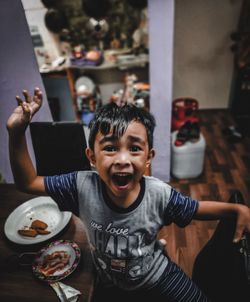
(59,147)
(221,269)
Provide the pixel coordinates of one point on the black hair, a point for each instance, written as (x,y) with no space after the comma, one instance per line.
(112,117)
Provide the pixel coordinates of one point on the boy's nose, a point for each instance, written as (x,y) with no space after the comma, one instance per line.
(122,158)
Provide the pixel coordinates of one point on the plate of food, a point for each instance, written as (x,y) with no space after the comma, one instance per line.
(35,221)
(56,261)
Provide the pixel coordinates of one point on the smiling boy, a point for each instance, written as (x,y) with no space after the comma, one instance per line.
(120,158)
(122,209)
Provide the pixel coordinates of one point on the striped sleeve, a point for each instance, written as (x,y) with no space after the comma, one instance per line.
(180,209)
(63,189)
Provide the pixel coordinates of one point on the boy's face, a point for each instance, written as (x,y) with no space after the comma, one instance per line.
(122,162)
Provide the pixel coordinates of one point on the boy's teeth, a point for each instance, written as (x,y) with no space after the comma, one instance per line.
(121,179)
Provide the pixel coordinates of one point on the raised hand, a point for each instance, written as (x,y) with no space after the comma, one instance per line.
(23,113)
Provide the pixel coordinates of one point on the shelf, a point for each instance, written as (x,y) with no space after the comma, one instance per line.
(124,62)
(114,69)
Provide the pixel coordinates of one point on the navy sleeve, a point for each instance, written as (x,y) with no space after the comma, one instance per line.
(180,209)
(63,189)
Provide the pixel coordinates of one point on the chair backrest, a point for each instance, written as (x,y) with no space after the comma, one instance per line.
(59,147)
(221,269)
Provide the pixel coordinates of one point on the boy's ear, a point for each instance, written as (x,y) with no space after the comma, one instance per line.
(90,155)
(151,155)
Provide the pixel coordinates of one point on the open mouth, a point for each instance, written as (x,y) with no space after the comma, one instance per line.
(121,179)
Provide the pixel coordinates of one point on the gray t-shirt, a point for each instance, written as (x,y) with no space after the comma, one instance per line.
(123,241)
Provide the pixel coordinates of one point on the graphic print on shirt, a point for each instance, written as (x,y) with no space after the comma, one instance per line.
(118,252)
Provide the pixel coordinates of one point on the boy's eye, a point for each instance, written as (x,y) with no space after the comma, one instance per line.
(135,149)
(110,148)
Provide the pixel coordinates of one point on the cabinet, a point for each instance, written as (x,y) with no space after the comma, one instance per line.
(61,92)
(58,93)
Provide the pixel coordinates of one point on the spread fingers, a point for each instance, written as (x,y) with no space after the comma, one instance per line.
(26,96)
(19,100)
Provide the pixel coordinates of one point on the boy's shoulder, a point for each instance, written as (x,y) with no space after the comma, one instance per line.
(157,189)
(154,181)
(89,176)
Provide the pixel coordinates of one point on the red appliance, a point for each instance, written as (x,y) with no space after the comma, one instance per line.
(183,110)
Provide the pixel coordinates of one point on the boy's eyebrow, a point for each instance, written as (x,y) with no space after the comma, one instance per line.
(136,139)
(113,138)
(110,138)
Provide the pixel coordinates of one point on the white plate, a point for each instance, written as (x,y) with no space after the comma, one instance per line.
(42,208)
(70,247)
(84,84)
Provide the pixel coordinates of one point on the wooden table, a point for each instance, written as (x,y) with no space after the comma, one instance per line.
(17,283)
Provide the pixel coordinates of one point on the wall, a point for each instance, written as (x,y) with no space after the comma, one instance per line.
(161,22)
(18,71)
(203,61)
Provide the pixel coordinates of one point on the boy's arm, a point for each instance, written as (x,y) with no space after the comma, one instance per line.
(216,210)
(24,173)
